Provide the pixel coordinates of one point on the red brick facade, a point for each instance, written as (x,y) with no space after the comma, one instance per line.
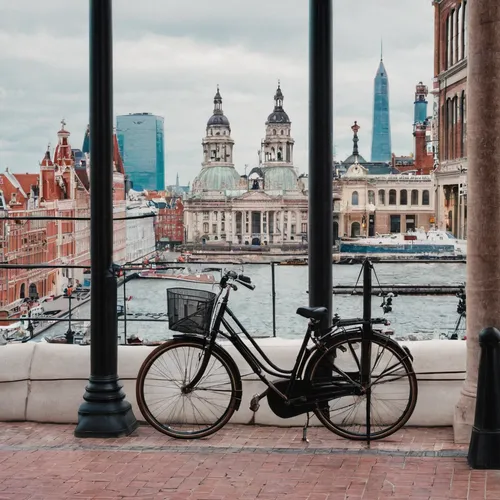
(60,189)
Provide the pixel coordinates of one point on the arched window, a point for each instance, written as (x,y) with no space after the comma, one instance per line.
(274,131)
(453,33)
(448,42)
(425,197)
(414,197)
(355,198)
(463,135)
(392,197)
(464,28)
(403,197)
(282,132)
(355,229)
(371,197)
(460,54)
(381,197)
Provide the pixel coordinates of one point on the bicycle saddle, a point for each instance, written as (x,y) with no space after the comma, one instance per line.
(312,312)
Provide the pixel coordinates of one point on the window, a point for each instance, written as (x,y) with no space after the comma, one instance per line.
(463,135)
(205,227)
(381,197)
(355,229)
(414,197)
(355,198)
(410,222)
(395,223)
(214,228)
(425,197)
(392,197)
(371,197)
(205,215)
(403,197)
(464,29)
(304,227)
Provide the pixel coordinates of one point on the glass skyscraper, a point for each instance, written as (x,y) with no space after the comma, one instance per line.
(141,142)
(381,139)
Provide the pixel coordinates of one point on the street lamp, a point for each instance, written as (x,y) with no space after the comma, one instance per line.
(104,412)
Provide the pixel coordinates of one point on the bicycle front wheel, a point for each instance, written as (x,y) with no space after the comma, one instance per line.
(393,386)
(187,414)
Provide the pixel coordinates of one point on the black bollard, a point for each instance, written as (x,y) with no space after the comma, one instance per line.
(484,448)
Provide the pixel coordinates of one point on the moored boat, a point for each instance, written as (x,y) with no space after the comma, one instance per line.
(293,262)
(418,242)
(178,275)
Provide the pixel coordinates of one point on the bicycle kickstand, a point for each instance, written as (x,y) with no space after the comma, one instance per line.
(304,430)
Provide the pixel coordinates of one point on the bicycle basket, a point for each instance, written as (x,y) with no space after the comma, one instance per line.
(189,310)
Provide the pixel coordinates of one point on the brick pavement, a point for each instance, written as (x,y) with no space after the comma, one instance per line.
(46,462)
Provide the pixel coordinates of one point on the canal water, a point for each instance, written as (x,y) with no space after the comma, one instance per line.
(420,316)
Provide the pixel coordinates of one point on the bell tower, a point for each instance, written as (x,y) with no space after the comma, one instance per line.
(277,147)
(218,144)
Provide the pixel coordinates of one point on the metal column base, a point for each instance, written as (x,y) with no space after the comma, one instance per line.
(105,413)
(484,449)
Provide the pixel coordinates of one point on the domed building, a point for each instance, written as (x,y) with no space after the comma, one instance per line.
(218,172)
(269,206)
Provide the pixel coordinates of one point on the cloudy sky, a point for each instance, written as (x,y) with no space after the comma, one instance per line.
(169,56)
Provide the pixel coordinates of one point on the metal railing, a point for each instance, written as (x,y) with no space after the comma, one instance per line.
(39,325)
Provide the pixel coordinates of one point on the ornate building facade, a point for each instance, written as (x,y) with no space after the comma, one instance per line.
(374,197)
(269,206)
(450,91)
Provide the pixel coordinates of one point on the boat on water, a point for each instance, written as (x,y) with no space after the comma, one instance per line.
(430,242)
(293,262)
(179,275)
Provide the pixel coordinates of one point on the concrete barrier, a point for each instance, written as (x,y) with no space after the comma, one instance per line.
(43,382)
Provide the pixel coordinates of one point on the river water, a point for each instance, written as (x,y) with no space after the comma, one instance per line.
(422,316)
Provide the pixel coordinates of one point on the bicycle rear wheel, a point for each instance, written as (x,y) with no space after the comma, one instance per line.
(393,386)
(187,415)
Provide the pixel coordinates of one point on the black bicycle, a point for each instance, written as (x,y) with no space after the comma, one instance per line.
(357,381)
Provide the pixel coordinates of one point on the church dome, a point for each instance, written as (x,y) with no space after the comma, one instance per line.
(278,115)
(217,178)
(218,117)
(280,179)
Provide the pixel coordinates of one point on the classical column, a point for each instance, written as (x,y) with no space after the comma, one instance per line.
(282,225)
(267,226)
(483,242)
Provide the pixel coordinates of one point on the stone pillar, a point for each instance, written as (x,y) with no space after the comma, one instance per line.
(282,225)
(483,265)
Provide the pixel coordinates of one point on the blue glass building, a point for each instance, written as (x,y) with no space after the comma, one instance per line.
(141,142)
(381,139)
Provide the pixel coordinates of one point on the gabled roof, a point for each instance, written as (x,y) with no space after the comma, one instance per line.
(26,181)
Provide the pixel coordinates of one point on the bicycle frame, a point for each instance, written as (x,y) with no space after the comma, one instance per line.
(259,367)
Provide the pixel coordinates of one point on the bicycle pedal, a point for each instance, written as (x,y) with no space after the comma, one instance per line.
(254,403)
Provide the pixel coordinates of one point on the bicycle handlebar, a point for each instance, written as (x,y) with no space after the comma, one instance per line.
(239,278)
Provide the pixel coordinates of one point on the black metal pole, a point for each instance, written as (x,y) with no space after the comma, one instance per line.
(273,291)
(104,412)
(320,155)
(124,307)
(366,347)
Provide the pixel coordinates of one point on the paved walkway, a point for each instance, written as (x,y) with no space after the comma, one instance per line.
(46,462)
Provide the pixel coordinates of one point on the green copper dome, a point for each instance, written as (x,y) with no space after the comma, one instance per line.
(280,179)
(217,178)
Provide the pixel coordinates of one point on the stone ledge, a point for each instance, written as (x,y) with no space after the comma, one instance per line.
(46,382)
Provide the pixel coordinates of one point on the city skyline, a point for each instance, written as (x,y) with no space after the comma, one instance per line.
(194,58)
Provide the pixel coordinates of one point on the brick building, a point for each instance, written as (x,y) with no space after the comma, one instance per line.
(60,189)
(450,113)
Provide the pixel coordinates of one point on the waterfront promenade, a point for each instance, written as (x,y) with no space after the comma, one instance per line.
(46,462)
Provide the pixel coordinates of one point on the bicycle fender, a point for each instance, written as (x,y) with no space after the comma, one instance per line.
(223,354)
